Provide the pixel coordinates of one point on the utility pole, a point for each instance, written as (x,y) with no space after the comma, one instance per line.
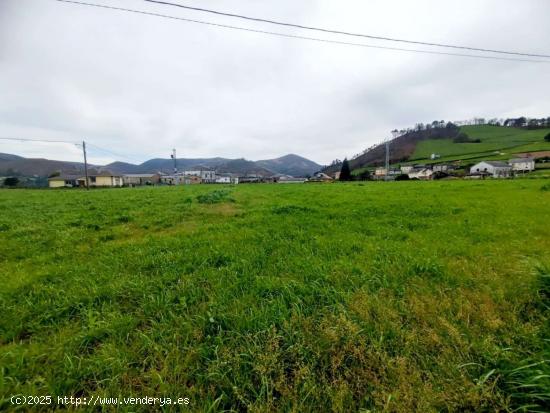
(85,164)
(387,159)
(175,161)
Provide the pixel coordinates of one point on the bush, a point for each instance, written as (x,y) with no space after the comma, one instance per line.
(11,181)
(214,197)
(439,175)
(547,137)
(464,138)
(402,177)
(363,176)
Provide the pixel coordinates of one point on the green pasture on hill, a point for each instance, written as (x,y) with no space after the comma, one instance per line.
(507,140)
(398,297)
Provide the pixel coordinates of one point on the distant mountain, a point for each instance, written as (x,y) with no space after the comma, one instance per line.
(121,168)
(244,167)
(9,157)
(291,165)
(36,166)
(167,165)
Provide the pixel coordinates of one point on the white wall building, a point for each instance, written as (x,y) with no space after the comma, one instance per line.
(495,168)
(522,164)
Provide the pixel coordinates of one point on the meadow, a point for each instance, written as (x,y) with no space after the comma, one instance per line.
(397,297)
(493,139)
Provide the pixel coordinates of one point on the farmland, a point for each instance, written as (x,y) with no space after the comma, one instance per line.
(509,141)
(401,296)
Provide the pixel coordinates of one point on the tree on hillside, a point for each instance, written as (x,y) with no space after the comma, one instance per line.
(11,181)
(345,172)
(547,138)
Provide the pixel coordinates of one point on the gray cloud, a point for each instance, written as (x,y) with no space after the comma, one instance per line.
(140,85)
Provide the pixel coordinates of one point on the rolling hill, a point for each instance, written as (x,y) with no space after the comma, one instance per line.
(495,143)
(290,165)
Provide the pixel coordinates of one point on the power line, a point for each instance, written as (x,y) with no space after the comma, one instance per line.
(118,155)
(80,144)
(390,39)
(39,140)
(433,52)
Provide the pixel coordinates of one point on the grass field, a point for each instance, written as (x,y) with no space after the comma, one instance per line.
(401,296)
(507,140)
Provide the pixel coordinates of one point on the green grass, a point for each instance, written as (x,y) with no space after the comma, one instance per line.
(402,296)
(507,140)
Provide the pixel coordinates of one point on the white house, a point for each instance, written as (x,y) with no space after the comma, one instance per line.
(442,167)
(405,169)
(495,168)
(420,173)
(205,175)
(522,164)
(287,179)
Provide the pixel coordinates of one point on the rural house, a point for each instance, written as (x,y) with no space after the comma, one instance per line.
(103,179)
(443,167)
(227,178)
(496,169)
(522,164)
(64,181)
(140,179)
(287,179)
(321,177)
(421,173)
(405,169)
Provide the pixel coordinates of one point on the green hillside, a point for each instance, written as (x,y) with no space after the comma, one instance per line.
(507,141)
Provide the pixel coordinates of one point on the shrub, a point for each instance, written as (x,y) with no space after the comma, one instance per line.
(402,177)
(439,175)
(214,197)
(547,137)
(11,181)
(464,138)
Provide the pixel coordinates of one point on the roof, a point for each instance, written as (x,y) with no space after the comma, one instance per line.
(105,173)
(139,175)
(498,164)
(521,160)
(65,178)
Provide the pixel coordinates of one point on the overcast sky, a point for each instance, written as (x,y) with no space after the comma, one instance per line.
(140,85)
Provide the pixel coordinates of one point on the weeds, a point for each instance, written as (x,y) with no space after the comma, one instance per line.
(214,197)
(312,298)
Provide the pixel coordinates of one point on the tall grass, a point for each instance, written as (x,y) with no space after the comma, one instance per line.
(402,296)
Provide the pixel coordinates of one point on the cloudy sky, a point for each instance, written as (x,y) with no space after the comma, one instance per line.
(139,85)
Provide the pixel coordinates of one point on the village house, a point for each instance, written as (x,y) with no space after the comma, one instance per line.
(140,179)
(287,179)
(321,177)
(496,169)
(103,179)
(420,173)
(206,175)
(173,179)
(227,178)
(191,180)
(405,169)
(443,167)
(64,181)
(522,164)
